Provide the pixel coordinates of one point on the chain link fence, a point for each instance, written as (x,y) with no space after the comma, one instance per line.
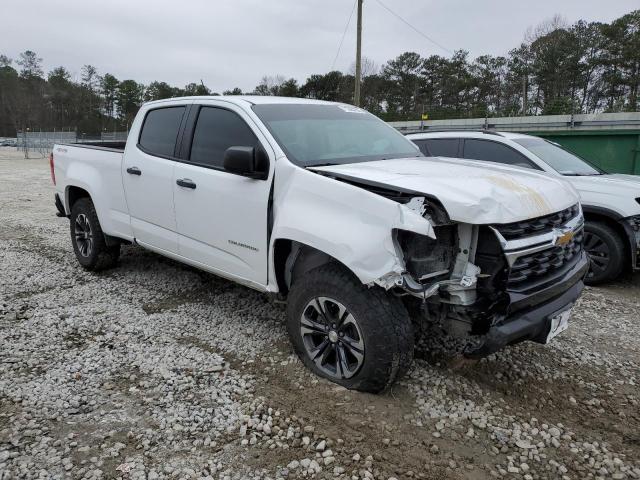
(38,144)
(114,136)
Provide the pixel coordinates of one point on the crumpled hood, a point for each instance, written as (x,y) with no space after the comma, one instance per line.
(471,192)
(615,192)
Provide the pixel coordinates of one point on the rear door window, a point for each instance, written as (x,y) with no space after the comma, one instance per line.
(160,131)
(216,130)
(442,147)
(487,150)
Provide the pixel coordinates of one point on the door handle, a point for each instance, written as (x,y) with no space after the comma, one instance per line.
(186,183)
(134,171)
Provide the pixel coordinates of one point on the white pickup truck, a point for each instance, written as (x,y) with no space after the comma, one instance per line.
(327,207)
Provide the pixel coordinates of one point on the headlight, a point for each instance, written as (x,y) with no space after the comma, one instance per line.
(426,257)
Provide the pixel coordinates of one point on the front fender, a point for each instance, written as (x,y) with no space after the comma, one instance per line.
(352,225)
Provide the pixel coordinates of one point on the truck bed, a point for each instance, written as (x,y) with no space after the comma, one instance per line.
(95,167)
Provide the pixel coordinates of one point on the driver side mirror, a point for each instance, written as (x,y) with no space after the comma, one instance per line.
(247,161)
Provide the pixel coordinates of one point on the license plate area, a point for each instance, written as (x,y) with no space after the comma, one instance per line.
(558,323)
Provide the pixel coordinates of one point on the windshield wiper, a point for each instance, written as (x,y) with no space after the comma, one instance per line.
(350,160)
(576,174)
(329,164)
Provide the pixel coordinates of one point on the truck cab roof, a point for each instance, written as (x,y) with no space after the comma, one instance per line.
(246,99)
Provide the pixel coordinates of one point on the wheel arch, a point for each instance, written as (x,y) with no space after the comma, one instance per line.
(612,220)
(72,195)
(293,259)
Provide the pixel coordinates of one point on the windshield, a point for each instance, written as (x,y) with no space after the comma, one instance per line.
(313,135)
(560,160)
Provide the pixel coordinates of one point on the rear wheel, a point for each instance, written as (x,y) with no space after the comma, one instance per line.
(88,241)
(358,337)
(606,252)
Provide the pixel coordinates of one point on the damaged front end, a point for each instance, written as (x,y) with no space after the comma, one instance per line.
(490,285)
(487,284)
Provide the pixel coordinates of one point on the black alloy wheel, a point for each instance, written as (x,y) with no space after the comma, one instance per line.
(332,338)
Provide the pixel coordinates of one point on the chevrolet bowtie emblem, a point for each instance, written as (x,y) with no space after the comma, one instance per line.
(563,238)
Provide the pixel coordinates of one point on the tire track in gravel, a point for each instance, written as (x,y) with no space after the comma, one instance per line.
(550,398)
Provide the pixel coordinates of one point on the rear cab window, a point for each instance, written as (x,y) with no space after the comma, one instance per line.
(159,131)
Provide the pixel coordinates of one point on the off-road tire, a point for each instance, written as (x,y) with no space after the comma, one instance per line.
(615,249)
(382,319)
(101,256)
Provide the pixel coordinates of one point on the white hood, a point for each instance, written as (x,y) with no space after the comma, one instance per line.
(471,192)
(615,192)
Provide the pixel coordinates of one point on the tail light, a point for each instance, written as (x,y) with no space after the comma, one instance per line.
(53,172)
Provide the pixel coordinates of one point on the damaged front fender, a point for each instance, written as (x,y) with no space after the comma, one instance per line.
(352,225)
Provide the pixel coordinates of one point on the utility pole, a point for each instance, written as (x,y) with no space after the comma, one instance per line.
(524,95)
(356,96)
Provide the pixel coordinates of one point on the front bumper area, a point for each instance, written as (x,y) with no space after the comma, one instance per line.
(631,226)
(532,313)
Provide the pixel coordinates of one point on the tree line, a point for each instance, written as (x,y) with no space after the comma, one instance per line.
(559,68)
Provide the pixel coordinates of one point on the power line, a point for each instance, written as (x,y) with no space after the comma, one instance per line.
(344,34)
(412,27)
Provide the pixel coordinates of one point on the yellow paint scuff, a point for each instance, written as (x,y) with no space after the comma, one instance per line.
(538,203)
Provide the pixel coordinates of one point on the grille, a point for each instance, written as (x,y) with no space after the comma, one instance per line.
(544,264)
(537,226)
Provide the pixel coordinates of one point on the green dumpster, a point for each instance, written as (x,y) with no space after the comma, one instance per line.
(615,151)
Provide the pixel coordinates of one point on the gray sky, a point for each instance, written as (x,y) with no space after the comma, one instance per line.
(229,43)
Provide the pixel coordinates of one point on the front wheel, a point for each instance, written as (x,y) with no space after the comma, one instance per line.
(606,251)
(358,337)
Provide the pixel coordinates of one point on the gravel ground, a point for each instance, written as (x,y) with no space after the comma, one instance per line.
(156,370)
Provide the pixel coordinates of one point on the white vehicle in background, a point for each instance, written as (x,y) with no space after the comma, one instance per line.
(611,202)
(326,207)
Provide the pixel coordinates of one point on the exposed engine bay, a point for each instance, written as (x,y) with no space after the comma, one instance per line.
(465,280)
(448,289)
